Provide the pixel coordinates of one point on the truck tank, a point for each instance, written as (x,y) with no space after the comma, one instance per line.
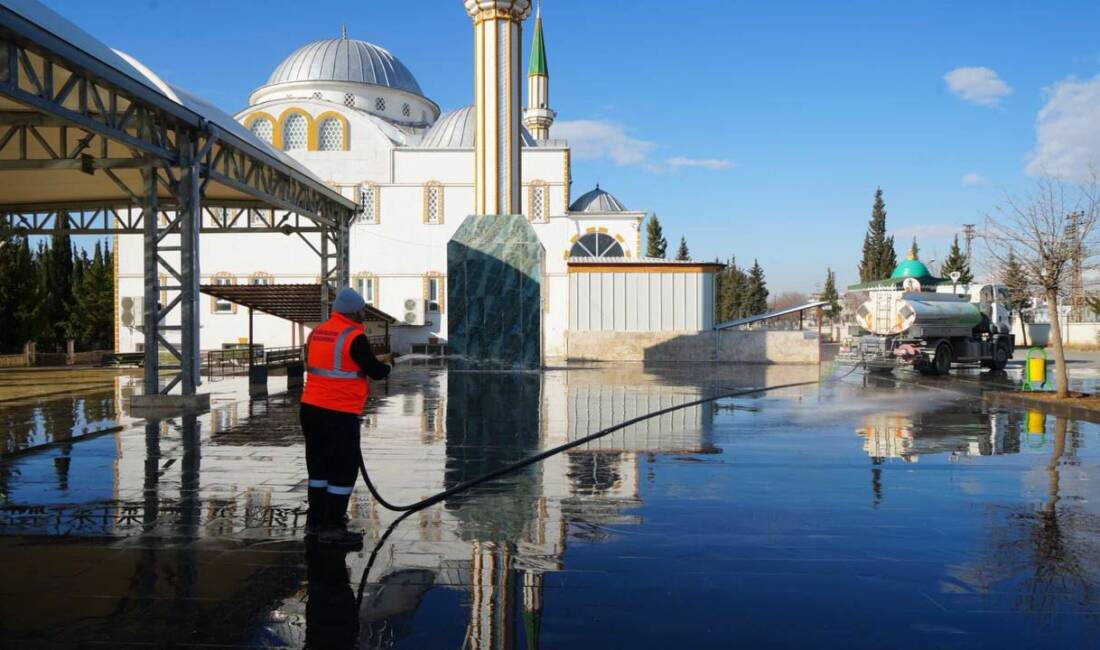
(888,312)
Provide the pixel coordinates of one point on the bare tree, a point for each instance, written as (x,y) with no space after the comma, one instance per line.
(1051,231)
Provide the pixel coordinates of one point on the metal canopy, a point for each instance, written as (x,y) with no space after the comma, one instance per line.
(91,141)
(294,302)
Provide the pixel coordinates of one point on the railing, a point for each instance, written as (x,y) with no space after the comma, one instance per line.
(796,315)
(219,364)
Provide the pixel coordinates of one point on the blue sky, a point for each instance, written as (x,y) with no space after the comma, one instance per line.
(755,129)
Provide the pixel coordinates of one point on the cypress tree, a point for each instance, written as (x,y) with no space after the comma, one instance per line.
(879,258)
(655,237)
(756,291)
(739,293)
(829,294)
(57,291)
(93,322)
(956,261)
(914,250)
(683,255)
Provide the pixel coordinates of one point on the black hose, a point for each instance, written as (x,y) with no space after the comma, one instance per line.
(407,510)
(530,460)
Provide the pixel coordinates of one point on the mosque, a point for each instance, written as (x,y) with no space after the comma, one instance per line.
(354,115)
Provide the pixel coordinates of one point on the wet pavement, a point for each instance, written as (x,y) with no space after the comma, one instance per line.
(870,512)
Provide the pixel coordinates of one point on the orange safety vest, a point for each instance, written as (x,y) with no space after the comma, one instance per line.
(333,380)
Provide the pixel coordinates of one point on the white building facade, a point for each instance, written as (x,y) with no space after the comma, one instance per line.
(354,115)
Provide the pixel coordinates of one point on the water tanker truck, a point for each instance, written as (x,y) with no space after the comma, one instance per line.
(915,320)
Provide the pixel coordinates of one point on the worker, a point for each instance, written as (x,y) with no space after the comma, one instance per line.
(338,362)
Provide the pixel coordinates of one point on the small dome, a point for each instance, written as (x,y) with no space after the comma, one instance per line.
(597,200)
(455,130)
(344,59)
(911,268)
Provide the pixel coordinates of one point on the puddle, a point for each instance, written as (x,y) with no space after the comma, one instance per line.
(776,520)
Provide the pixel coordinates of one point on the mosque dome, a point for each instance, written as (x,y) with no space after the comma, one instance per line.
(597,200)
(345,59)
(455,130)
(911,268)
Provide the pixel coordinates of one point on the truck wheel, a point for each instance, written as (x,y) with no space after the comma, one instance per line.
(941,364)
(1000,358)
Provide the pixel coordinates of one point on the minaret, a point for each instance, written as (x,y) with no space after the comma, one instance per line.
(495,261)
(497,99)
(538,117)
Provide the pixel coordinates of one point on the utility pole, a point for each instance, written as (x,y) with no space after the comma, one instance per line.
(968,234)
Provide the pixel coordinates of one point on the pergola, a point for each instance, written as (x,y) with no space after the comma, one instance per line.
(91,141)
(293,302)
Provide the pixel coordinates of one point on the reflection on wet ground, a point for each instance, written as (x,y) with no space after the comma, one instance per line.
(869,512)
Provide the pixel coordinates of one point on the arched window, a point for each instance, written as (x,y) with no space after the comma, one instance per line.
(218,306)
(368,203)
(262,128)
(596,244)
(331,134)
(261,279)
(295,132)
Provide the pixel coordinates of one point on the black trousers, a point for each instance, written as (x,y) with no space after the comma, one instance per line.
(332,447)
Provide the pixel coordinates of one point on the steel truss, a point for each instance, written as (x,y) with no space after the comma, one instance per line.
(69,112)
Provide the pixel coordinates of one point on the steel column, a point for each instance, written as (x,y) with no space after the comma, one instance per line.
(151,310)
(324,275)
(190,216)
(343,260)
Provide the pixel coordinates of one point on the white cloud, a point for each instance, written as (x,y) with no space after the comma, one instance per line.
(979,86)
(1067,130)
(974,180)
(705,163)
(595,139)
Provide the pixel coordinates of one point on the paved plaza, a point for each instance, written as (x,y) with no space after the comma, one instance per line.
(786,519)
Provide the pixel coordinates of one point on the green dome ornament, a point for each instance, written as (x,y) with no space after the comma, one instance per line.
(911,268)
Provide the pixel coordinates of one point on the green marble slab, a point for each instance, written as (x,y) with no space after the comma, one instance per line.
(494,288)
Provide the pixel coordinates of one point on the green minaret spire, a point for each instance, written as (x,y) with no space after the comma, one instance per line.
(538,49)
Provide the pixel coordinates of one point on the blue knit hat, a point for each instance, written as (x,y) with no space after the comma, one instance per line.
(348,301)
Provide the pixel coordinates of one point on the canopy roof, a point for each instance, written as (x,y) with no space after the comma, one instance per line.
(297,303)
(80,121)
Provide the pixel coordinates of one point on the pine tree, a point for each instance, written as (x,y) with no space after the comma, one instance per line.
(1015,280)
(956,261)
(18,295)
(756,291)
(655,237)
(879,259)
(830,295)
(914,250)
(683,255)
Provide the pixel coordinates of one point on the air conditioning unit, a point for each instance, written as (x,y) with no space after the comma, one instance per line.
(414,312)
(131,313)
